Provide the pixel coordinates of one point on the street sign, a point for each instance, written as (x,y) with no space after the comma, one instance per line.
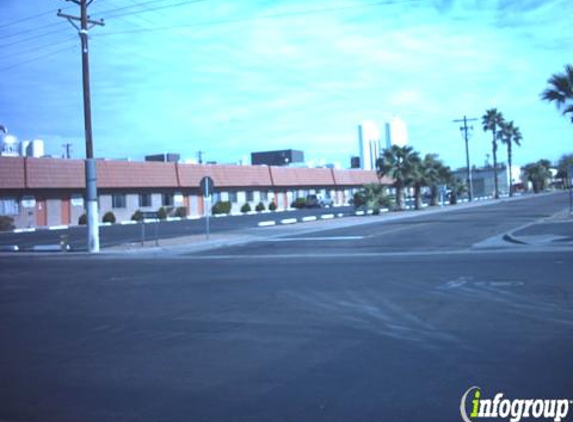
(207,186)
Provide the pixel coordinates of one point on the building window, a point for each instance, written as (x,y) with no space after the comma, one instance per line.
(144,200)
(216,197)
(167,200)
(264,196)
(118,200)
(233,197)
(250,196)
(9,206)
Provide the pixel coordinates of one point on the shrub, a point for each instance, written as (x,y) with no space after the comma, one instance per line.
(181,212)
(109,217)
(260,207)
(162,213)
(272,206)
(222,207)
(137,216)
(298,203)
(246,207)
(6,223)
(372,197)
(83,220)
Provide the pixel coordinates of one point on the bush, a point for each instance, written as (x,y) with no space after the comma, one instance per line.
(83,220)
(222,207)
(162,213)
(137,216)
(181,212)
(298,203)
(372,197)
(260,207)
(272,206)
(246,208)
(109,217)
(6,223)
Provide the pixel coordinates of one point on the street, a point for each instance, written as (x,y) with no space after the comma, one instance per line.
(389,321)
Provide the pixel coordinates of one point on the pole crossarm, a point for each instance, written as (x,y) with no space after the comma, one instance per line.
(72,18)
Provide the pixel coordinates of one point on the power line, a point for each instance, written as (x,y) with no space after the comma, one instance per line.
(168,6)
(35,37)
(36,48)
(465,128)
(28,18)
(35,59)
(265,17)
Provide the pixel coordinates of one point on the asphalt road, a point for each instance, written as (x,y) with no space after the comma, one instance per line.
(118,234)
(345,336)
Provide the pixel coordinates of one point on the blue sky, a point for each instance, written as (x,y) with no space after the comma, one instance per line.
(228,77)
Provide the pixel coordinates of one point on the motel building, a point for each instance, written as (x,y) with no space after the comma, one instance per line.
(39,192)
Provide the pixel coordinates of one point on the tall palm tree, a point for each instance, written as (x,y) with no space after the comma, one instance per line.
(560,91)
(492,121)
(398,163)
(509,135)
(435,174)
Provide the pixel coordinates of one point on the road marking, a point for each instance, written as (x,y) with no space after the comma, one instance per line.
(9,248)
(267,223)
(62,227)
(289,221)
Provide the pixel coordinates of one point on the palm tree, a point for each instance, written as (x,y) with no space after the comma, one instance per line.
(435,174)
(398,163)
(509,135)
(538,173)
(560,91)
(492,121)
(457,188)
(563,165)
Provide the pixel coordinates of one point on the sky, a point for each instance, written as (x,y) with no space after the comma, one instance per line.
(229,78)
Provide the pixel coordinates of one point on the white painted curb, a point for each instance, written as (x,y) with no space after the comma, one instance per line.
(30,230)
(289,221)
(62,227)
(327,216)
(267,223)
(309,218)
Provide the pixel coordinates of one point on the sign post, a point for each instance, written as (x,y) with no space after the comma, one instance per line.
(570,183)
(207,186)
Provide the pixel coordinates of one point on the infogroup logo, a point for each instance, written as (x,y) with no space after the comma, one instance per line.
(514,410)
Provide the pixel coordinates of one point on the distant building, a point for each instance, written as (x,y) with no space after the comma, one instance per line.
(277,158)
(164,158)
(11,147)
(368,144)
(354,162)
(483,180)
(396,132)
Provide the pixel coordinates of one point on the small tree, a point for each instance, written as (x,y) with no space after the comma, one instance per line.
(260,207)
(272,206)
(83,220)
(109,217)
(162,213)
(246,208)
(222,207)
(538,174)
(299,203)
(137,216)
(6,223)
(181,212)
(372,196)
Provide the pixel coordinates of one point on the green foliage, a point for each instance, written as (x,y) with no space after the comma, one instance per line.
(222,207)
(562,168)
(181,212)
(560,91)
(457,188)
(272,206)
(373,197)
(509,135)
(400,165)
(538,174)
(83,220)
(260,207)
(109,217)
(246,207)
(6,223)
(298,203)
(162,213)
(137,216)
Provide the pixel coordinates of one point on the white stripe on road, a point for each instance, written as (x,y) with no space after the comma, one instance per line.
(289,221)
(305,239)
(309,218)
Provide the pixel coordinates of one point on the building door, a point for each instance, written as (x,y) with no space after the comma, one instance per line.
(41,213)
(200,205)
(66,218)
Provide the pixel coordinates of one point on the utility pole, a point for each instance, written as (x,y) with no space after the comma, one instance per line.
(90,165)
(465,128)
(68,150)
(200,156)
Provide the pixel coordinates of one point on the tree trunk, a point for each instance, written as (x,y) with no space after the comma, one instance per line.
(434,195)
(418,196)
(494,149)
(509,159)
(399,196)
